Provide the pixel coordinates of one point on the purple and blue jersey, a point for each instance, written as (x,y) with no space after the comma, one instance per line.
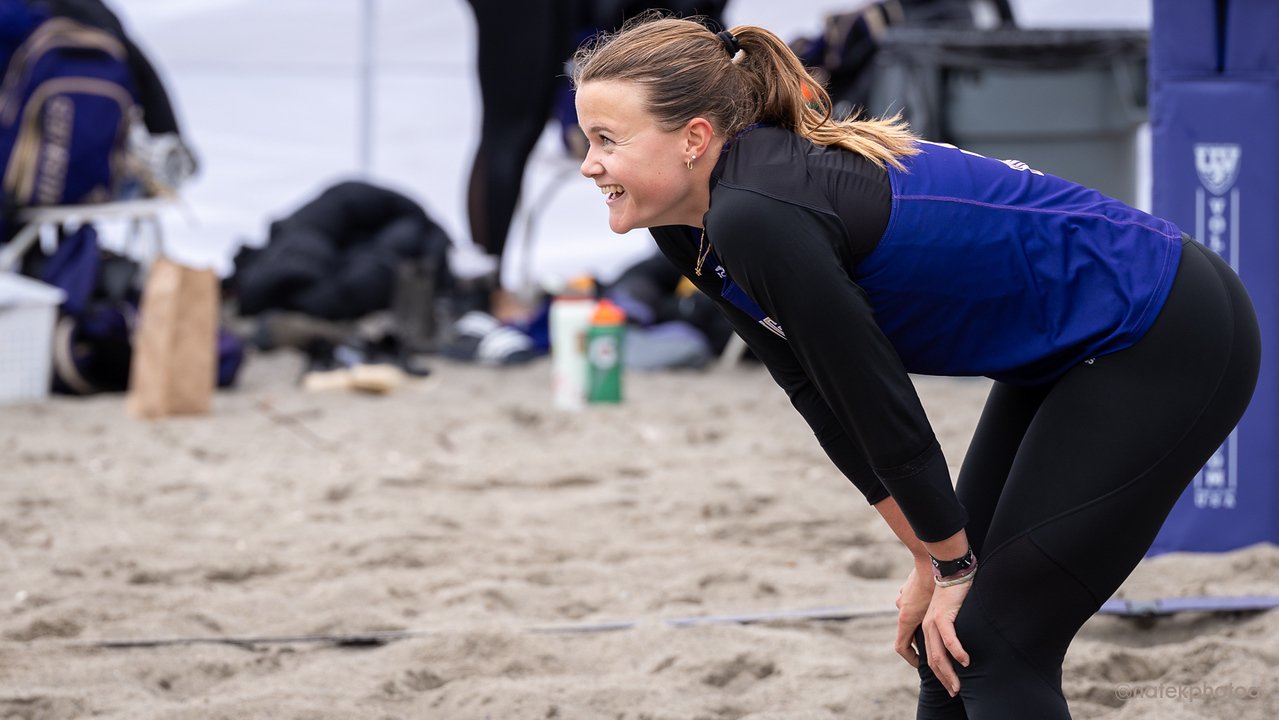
(994,268)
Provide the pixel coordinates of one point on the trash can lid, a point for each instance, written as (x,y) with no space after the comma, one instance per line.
(1013,48)
(20,291)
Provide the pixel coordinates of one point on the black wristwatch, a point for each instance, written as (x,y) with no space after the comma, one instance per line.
(949,568)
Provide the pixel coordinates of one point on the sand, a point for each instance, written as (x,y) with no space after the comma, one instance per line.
(464,513)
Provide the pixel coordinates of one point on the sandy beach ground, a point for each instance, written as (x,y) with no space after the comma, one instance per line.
(465,513)
(461,512)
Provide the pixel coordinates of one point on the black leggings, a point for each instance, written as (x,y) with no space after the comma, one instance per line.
(1067,484)
(520,57)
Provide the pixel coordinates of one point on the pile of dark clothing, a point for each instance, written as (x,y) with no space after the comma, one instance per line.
(337,256)
(355,250)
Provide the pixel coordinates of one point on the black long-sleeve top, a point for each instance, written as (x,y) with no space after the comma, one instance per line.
(788,232)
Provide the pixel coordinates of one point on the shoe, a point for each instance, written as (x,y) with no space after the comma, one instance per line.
(480,338)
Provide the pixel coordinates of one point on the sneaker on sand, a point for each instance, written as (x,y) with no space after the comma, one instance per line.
(481,338)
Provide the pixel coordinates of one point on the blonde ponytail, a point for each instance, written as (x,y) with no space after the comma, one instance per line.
(793,99)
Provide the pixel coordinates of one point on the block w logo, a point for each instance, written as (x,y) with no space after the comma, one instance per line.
(1217,165)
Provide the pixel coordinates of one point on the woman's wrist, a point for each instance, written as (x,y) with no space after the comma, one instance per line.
(952,547)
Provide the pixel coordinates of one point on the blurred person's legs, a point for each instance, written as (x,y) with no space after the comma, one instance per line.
(522,48)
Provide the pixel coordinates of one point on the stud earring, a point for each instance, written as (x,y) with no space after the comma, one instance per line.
(690,162)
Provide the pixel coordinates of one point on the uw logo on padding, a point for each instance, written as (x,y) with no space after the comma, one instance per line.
(1217,212)
(1217,198)
(1216,485)
(1217,165)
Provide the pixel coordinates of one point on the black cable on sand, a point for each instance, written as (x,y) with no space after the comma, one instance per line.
(1142,609)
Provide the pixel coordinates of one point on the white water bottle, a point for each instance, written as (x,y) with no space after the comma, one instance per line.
(570,318)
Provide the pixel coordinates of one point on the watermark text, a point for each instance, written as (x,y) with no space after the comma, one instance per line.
(1186,693)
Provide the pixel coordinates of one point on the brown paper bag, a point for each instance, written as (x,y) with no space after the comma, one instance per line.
(174,365)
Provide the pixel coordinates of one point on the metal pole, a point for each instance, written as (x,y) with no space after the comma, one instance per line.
(366,90)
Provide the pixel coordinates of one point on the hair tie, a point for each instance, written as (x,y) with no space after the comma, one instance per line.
(730,43)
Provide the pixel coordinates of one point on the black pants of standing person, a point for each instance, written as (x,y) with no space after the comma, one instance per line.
(522,47)
(1067,484)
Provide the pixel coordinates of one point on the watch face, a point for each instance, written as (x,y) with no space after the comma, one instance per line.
(945,568)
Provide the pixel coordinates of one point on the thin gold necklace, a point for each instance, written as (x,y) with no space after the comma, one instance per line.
(701,253)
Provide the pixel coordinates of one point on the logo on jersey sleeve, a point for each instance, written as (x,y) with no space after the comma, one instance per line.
(1020,166)
(773,327)
(1017,165)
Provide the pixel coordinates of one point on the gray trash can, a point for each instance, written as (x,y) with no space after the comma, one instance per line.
(1067,102)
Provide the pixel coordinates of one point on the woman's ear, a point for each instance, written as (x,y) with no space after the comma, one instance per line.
(698,134)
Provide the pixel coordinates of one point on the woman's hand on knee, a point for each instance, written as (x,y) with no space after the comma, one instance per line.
(912,604)
(939,634)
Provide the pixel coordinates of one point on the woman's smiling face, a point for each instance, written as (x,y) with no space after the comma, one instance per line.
(640,168)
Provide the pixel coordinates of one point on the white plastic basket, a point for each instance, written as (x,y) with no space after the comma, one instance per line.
(28,311)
